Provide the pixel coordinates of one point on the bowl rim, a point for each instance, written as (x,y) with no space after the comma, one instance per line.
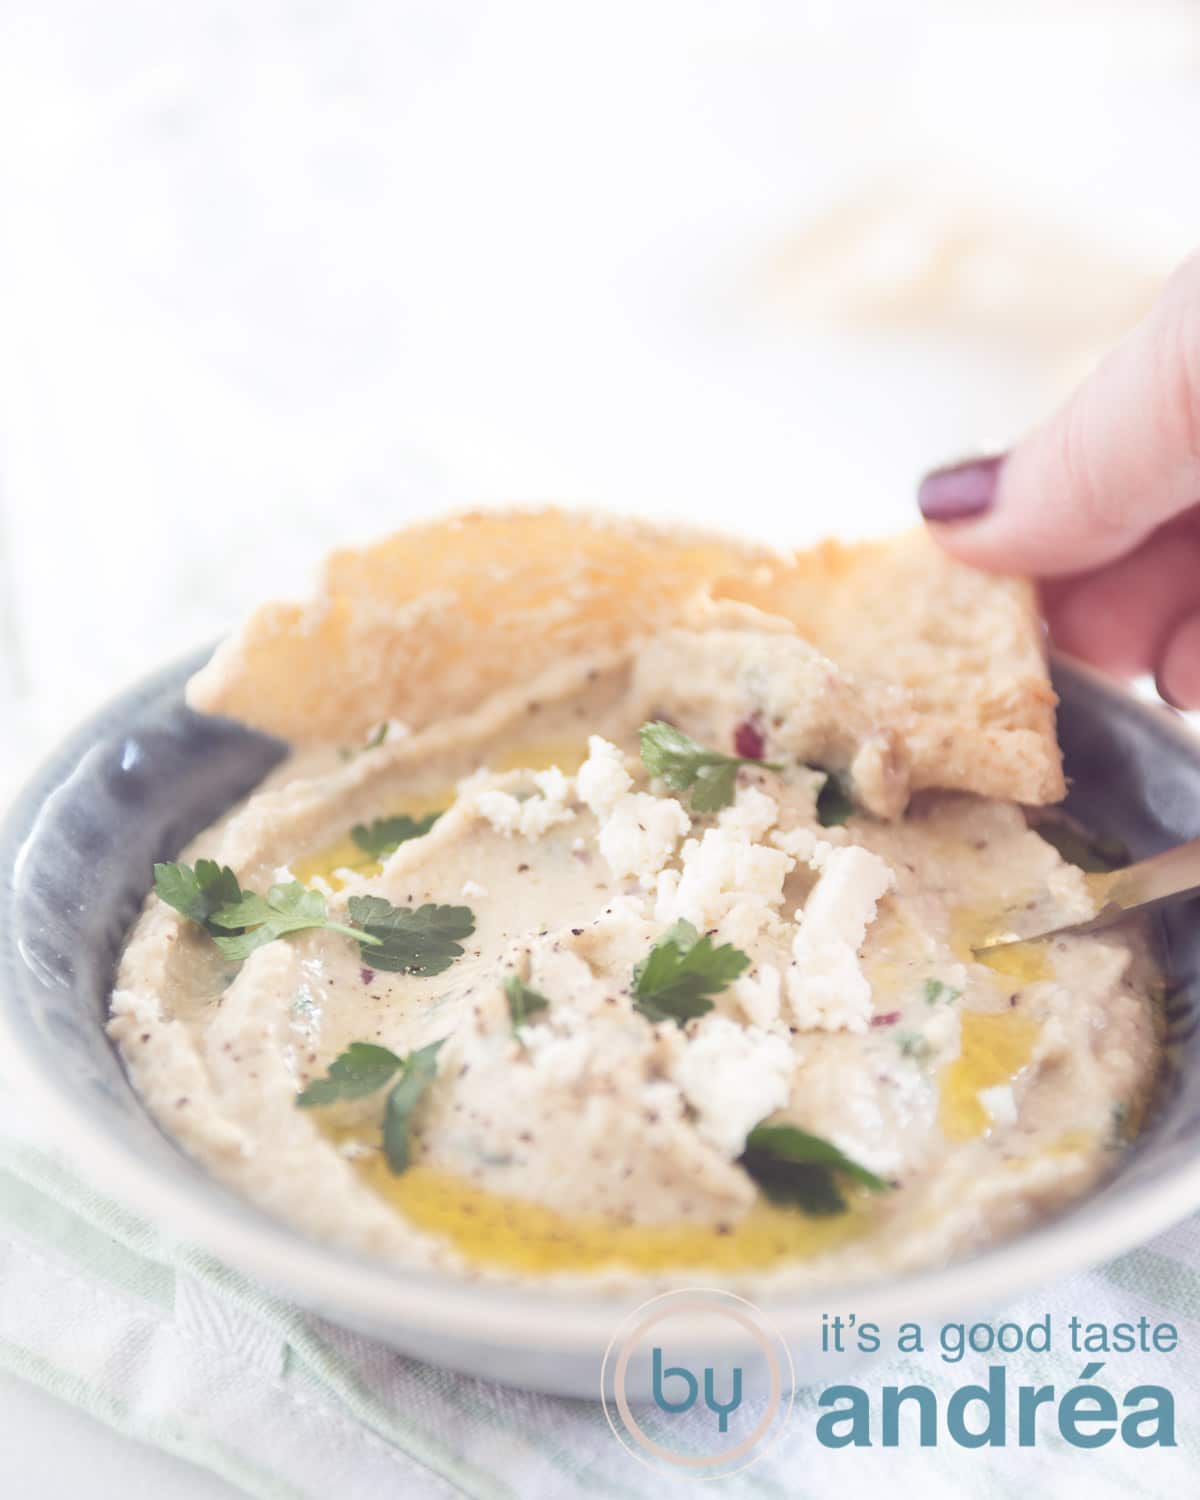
(366,1292)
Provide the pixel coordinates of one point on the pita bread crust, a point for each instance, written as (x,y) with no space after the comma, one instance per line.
(429,622)
(967,648)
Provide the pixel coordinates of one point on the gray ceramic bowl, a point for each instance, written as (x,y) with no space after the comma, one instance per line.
(140,778)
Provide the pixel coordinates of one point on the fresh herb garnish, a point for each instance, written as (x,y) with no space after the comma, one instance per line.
(675,979)
(385,835)
(937,992)
(198,893)
(400,939)
(684,765)
(912,1044)
(240,921)
(792,1166)
(1096,853)
(362,1069)
(834,804)
(421,940)
(285,908)
(417,1072)
(522,1001)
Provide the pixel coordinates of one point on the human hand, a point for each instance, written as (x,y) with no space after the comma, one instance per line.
(1102,504)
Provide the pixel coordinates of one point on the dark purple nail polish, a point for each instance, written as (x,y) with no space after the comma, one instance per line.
(959,492)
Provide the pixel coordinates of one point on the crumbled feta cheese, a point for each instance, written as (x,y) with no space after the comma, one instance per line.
(472,888)
(748,922)
(602,779)
(751,813)
(803,845)
(533,816)
(826,987)
(666,891)
(624,920)
(719,871)
(733,1077)
(500,809)
(759,994)
(641,832)
(553,785)
(843,901)
(942,1031)
(534,1035)
(550,807)
(1000,1104)
(664,1098)
(561,1059)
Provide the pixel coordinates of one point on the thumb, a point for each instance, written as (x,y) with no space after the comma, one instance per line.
(1120,458)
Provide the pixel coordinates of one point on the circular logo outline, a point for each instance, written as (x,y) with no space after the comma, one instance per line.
(710,1299)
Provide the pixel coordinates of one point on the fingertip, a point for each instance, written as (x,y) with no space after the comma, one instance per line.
(975,512)
(1178,674)
(959,492)
(996,513)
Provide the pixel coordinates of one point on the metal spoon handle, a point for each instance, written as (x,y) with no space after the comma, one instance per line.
(1169,876)
(1149,882)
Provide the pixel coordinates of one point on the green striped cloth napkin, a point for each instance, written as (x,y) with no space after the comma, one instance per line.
(109,1312)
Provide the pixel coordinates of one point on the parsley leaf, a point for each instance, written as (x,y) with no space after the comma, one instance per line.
(424,940)
(385,835)
(675,979)
(239,921)
(360,1070)
(197,893)
(792,1166)
(834,804)
(285,908)
(417,1072)
(683,764)
(938,991)
(522,1001)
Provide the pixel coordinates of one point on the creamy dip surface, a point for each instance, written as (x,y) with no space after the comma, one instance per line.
(592,1141)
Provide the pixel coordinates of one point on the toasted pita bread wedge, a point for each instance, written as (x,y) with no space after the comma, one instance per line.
(429,622)
(432,620)
(966,647)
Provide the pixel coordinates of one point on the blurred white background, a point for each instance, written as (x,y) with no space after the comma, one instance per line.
(279,275)
(274,275)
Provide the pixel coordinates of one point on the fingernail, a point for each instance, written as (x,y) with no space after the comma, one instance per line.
(959,492)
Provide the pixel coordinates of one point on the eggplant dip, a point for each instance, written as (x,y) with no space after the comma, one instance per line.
(658,957)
